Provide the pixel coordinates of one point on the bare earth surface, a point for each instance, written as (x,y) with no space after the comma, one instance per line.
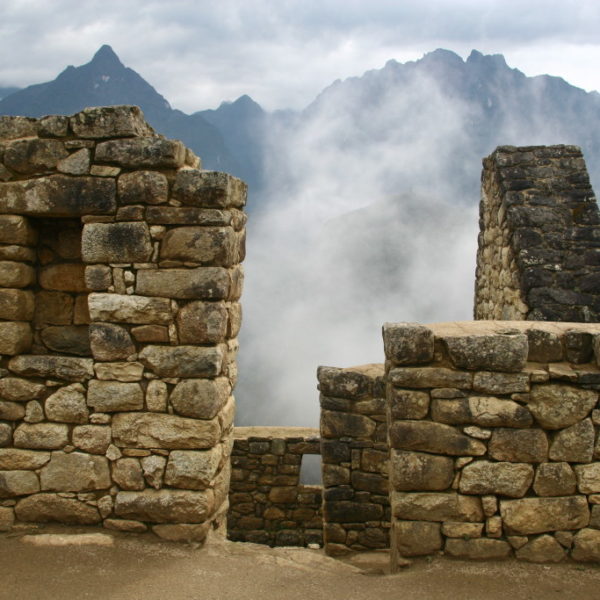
(62,565)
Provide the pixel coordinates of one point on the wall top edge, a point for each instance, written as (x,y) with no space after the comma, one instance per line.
(459,328)
(275,432)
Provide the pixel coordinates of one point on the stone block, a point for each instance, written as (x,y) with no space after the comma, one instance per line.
(110,121)
(574,444)
(485,411)
(345,511)
(478,549)
(67,405)
(126,525)
(335,475)
(183,361)
(519,445)
(544,346)
(433,437)
(408,404)
(52,367)
(490,382)
(53,308)
(490,352)
(431,506)
(142,152)
(41,436)
(16,389)
(143,187)
(339,424)
(165,506)
(156,396)
(94,439)
(407,343)
(121,308)
(369,482)
(127,474)
(206,245)
(126,372)
(430,377)
(355,383)
(202,323)
(77,163)
(68,339)
(154,467)
(193,470)
(543,549)
(98,277)
(182,532)
(417,471)
(203,283)
(588,478)
(45,508)
(578,346)
(200,398)
(586,546)
(155,430)
(502,478)
(124,242)
(75,472)
(187,215)
(556,405)
(456,529)
(63,277)
(13,459)
(417,538)
(33,155)
(18,483)
(17,127)
(554,479)
(16,274)
(113,396)
(15,337)
(110,342)
(34,413)
(539,515)
(209,189)
(11,411)
(53,126)
(16,229)
(5,435)
(17,253)
(150,333)
(16,305)
(7,518)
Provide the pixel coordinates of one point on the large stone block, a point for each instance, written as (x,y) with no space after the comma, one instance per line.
(63,277)
(519,445)
(15,274)
(205,245)
(184,361)
(124,242)
(203,283)
(191,215)
(433,437)
(202,323)
(15,337)
(407,343)
(110,342)
(45,508)
(417,538)
(538,515)
(543,549)
(67,405)
(155,430)
(200,398)
(18,483)
(75,472)
(485,411)
(52,367)
(114,396)
(165,506)
(416,471)
(33,155)
(16,305)
(121,308)
(110,121)
(59,196)
(15,459)
(503,478)
(478,549)
(143,187)
(336,424)
(193,470)
(68,339)
(209,189)
(142,152)
(41,436)
(574,444)
(16,389)
(556,405)
(426,506)
(430,377)
(555,479)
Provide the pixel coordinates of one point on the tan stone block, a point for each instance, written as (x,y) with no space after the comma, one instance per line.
(156,396)
(187,215)
(17,253)
(11,411)
(16,274)
(336,424)
(426,506)
(556,406)
(586,546)
(112,396)
(18,483)
(33,155)
(17,127)
(15,337)
(200,398)
(75,472)
(408,404)
(16,389)
(15,459)
(183,361)
(16,305)
(209,189)
(588,478)
(417,471)
(53,308)
(202,283)
(417,538)
(126,372)
(129,309)
(52,367)
(574,444)
(110,342)
(42,436)
(81,313)
(190,533)
(490,382)
(503,478)
(94,439)
(205,245)
(429,377)
(110,121)
(145,187)
(7,518)
(149,152)
(63,277)
(17,230)
(456,529)
(127,474)
(77,163)
(44,508)
(194,470)
(519,445)
(154,469)
(67,339)
(124,242)
(98,277)
(543,549)
(150,333)
(5,435)
(478,549)
(67,405)
(554,479)
(202,323)
(126,525)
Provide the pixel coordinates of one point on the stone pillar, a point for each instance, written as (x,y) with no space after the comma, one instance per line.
(120,326)
(539,242)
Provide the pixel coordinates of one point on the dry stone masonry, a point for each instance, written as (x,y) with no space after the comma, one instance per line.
(539,249)
(267,502)
(120,282)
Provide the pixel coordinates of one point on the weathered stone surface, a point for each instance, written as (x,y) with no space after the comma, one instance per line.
(433,437)
(419,471)
(77,163)
(41,436)
(207,245)
(18,483)
(484,411)
(33,155)
(98,277)
(34,413)
(209,189)
(5,435)
(187,215)
(343,511)
(145,152)
(192,470)
(15,337)
(143,187)
(110,342)
(112,396)
(67,405)
(70,339)
(92,438)
(16,229)
(519,445)
(336,424)
(539,515)
(554,479)
(408,404)
(154,467)
(63,277)
(335,475)
(200,398)
(556,405)
(203,283)
(424,506)
(490,382)
(355,383)
(183,532)
(123,242)
(150,333)
(202,323)
(588,478)
(155,430)
(126,372)
(127,474)
(59,196)
(429,377)
(544,346)
(183,361)
(7,518)
(52,367)
(543,549)
(15,274)
(75,472)
(16,389)
(17,305)
(17,127)
(586,546)
(53,308)
(478,549)
(165,506)
(503,478)
(491,352)
(14,459)
(110,121)
(157,395)
(575,443)
(464,531)
(11,411)
(44,508)
(17,253)
(407,343)
(417,538)
(121,308)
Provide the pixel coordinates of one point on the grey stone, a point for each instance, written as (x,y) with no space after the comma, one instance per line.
(209,189)
(18,483)
(574,444)
(408,343)
(70,339)
(129,309)
(17,127)
(556,405)
(335,424)
(183,361)
(112,396)
(206,245)
(202,283)
(432,506)
(154,468)
(109,121)
(124,242)
(430,377)
(554,479)
(44,508)
(52,367)
(417,538)
(478,549)
(77,163)
(53,126)
(75,472)
(127,474)
(41,436)
(502,478)
(16,389)
(519,445)
(192,469)
(92,438)
(202,323)
(144,152)
(543,549)
(420,472)
(98,277)
(110,342)
(408,404)
(67,405)
(143,187)
(356,383)
(33,155)
(490,382)
(200,398)
(544,346)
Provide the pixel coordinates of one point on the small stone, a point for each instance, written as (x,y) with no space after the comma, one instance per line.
(110,342)
(16,274)
(52,367)
(150,333)
(409,404)
(127,474)
(112,396)
(18,483)
(554,479)
(431,506)
(517,541)
(565,538)
(92,438)
(544,346)
(192,470)
(67,405)
(456,529)
(489,505)
(11,411)
(542,550)
(209,189)
(63,277)
(7,518)
(146,187)
(116,242)
(15,389)
(493,527)
(419,471)
(202,323)
(5,435)
(15,338)
(129,309)
(183,361)
(586,545)
(478,433)
(100,419)
(43,508)
(156,396)
(150,152)
(504,478)
(98,277)
(588,478)
(430,377)
(14,459)
(490,382)
(205,245)
(68,339)
(77,163)
(190,533)
(16,305)
(154,468)
(105,506)
(125,372)
(203,283)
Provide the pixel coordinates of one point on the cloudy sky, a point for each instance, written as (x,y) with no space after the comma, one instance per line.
(283,52)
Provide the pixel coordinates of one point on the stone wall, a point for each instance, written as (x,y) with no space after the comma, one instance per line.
(539,252)
(267,502)
(119,312)
(493,439)
(354,452)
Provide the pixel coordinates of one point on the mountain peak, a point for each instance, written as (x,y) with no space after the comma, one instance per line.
(106,56)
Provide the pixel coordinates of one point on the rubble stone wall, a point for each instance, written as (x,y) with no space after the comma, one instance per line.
(539,252)
(119,313)
(354,454)
(267,502)
(493,430)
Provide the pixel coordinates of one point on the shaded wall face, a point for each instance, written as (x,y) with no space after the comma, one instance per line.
(119,312)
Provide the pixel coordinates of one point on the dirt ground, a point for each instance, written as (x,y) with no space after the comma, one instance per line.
(141,568)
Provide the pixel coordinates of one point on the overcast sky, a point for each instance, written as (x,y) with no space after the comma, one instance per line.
(283,52)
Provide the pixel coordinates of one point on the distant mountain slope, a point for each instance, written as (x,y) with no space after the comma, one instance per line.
(6,91)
